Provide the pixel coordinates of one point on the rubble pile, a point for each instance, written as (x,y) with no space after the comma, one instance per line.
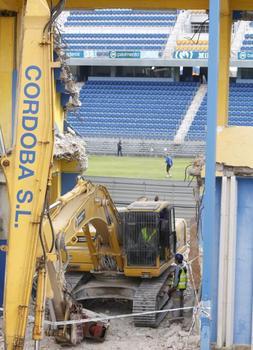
(71,147)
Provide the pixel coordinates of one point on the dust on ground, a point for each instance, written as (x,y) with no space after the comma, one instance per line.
(123,335)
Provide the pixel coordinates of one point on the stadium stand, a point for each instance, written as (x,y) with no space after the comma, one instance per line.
(136,41)
(150,109)
(122,29)
(247,43)
(192,45)
(83,31)
(141,110)
(240,104)
(240,111)
(191,36)
(121,17)
(132,108)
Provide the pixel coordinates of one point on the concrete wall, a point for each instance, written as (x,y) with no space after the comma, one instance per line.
(145,147)
(244,264)
(215,261)
(124,191)
(241,309)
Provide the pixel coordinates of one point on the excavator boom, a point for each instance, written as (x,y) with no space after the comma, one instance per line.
(27,167)
(86,204)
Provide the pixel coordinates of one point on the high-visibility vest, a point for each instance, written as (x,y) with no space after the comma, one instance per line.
(147,237)
(182,284)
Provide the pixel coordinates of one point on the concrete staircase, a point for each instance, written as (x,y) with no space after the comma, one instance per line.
(177,30)
(190,114)
(236,43)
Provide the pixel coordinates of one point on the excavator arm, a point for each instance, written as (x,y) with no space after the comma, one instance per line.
(87,204)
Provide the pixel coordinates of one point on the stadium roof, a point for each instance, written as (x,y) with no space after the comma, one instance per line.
(15,5)
(156,4)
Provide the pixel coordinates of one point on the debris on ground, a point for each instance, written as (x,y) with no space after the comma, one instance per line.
(123,335)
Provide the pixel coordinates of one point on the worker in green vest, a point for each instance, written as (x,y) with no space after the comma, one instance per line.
(179,285)
(147,234)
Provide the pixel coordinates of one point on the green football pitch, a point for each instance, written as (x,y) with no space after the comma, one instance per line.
(136,167)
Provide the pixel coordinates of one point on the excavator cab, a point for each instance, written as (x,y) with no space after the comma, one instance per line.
(149,237)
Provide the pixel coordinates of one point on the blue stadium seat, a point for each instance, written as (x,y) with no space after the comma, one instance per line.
(152,109)
(240,111)
(118,18)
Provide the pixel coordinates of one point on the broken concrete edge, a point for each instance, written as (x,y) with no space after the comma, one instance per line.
(230,170)
(71,147)
(67,147)
(233,347)
(223,169)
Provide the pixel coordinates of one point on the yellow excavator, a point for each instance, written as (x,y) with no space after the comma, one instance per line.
(125,254)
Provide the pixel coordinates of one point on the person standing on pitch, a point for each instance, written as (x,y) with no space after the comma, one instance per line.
(169,164)
(119,148)
(179,285)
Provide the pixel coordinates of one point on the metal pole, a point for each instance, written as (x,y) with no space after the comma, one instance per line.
(209,198)
(37,345)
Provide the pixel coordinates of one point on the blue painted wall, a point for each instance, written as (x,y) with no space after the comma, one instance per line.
(244,263)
